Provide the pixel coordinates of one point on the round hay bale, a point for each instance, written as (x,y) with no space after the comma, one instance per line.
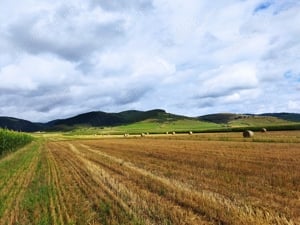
(173,133)
(263,130)
(248,134)
(142,135)
(191,132)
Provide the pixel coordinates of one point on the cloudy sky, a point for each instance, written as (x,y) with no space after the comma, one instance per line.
(192,57)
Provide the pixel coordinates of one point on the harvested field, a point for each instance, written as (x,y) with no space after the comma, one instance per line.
(191,179)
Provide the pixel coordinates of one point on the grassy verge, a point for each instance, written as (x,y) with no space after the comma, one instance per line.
(15,173)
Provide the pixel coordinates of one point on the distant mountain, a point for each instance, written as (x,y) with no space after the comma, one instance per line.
(92,119)
(221,117)
(230,117)
(20,125)
(133,116)
(103,119)
(294,117)
(98,119)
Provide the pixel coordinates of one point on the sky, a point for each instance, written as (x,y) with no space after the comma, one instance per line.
(191,57)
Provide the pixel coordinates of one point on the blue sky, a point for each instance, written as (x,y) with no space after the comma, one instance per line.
(62,58)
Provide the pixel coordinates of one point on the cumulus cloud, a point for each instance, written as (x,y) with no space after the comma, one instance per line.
(116,5)
(59,59)
(70,32)
(225,81)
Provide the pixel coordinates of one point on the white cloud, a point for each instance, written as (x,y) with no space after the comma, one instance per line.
(294,106)
(229,79)
(192,57)
(30,72)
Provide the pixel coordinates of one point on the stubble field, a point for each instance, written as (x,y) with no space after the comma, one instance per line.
(180,179)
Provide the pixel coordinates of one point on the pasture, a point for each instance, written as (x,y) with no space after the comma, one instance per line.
(209,178)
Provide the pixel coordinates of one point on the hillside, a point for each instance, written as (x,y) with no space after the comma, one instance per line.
(220,117)
(93,119)
(90,119)
(156,120)
(251,119)
(294,117)
(153,126)
(19,124)
(102,119)
(258,121)
(133,116)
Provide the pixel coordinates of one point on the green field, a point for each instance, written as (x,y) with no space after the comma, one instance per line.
(154,126)
(151,126)
(259,121)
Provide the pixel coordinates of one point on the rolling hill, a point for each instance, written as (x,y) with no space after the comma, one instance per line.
(224,118)
(220,117)
(294,117)
(90,119)
(158,120)
(19,124)
(98,119)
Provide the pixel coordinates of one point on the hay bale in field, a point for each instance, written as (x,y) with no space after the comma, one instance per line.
(142,135)
(191,132)
(167,132)
(263,130)
(173,133)
(126,135)
(248,134)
